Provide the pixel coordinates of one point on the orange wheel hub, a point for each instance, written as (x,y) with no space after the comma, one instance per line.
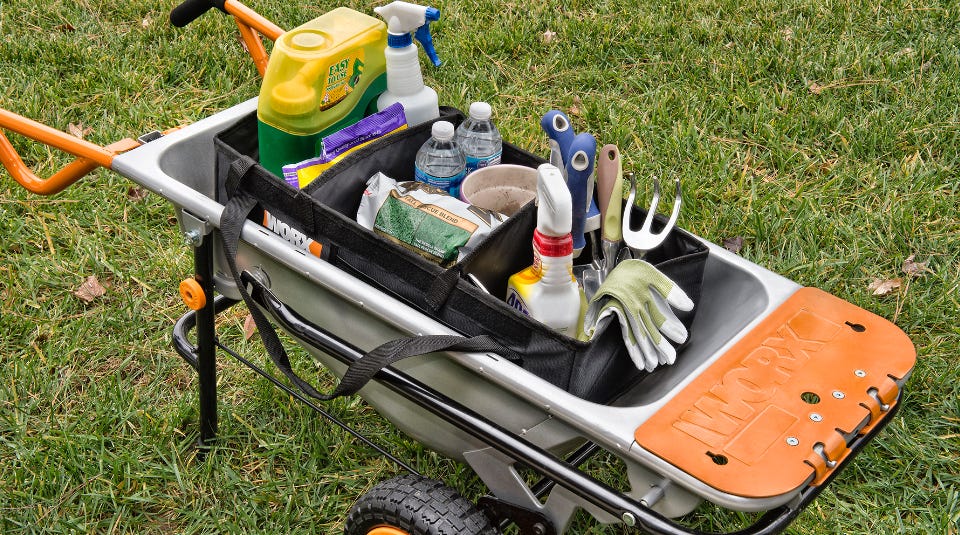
(386,530)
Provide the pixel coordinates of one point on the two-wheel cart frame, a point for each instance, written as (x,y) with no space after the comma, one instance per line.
(778,390)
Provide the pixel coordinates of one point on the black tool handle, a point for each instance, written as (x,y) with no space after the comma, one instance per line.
(190,10)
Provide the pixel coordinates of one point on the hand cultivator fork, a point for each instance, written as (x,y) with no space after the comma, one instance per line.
(645,239)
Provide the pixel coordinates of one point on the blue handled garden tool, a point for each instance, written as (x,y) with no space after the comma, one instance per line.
(561,135)
(583,151)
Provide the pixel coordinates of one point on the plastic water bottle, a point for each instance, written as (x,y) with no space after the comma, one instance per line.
(479,138)
(440,162)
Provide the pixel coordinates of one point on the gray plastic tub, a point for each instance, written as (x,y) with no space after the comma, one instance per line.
(736,296)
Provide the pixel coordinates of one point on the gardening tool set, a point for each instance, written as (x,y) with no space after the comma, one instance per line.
(706,377)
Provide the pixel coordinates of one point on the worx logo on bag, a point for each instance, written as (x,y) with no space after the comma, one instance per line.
(295,237)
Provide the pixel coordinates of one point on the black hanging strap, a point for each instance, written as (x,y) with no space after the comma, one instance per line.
(363,369)
(234,216)
(359,372)
(443,285)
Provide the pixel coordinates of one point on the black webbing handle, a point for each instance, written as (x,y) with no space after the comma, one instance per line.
(358,372)
(191,10)
(362,370)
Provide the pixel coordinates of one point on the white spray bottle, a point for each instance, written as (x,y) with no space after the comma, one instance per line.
(404,77)
(547,290)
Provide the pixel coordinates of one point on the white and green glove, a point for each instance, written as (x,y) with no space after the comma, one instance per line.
(641,297)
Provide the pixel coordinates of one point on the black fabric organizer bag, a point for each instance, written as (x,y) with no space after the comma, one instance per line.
(597,371)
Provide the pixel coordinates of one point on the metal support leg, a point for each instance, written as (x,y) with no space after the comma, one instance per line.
(206,342)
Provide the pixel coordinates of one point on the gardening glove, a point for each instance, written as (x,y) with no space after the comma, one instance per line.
(641,297)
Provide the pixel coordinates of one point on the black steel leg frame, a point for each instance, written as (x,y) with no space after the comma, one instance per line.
(202,357)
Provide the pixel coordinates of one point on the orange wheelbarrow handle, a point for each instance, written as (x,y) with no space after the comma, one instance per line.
(89,155)
(250,23)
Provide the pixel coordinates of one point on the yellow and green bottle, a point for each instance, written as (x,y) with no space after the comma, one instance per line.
(322,76)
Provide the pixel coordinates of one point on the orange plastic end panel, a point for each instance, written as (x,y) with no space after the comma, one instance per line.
(89,155)
(773,410)
(192,294)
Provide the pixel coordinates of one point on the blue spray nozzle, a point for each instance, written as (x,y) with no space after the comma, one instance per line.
(426,40)
(404,18)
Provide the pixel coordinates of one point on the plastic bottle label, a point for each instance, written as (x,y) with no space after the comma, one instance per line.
(474,162)
(514,300)
(341,77)
(450,184)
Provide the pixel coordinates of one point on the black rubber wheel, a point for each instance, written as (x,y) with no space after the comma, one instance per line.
(415,505)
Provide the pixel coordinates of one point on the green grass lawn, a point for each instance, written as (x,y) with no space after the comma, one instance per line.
(824,133)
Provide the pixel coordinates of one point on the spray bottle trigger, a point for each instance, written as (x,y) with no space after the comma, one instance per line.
(426,40)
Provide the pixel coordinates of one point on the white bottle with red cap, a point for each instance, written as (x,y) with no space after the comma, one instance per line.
(547,290)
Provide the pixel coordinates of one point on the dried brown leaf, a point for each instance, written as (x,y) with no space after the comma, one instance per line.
(884,286)
(146,22)
(249,327)
(733,244)
(135,193)
(548,36)
(815,88)
(90,290)
(78,130)
(66,27)
(915,269)
(576,107)
(827,164)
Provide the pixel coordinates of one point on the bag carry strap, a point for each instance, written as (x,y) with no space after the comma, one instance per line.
(360,371)
(364,368)
(235,214)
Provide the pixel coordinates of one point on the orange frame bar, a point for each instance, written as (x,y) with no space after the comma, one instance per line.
(254,20)
(251,24)
(89,155)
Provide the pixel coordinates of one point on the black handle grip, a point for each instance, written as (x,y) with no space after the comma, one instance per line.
(190,10)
